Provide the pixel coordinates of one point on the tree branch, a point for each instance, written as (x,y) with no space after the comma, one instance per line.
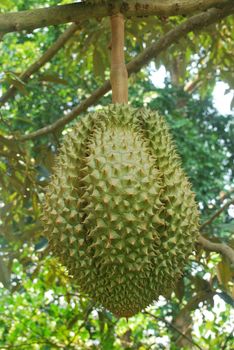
(217,213)
(226,194)
(118,74)
(13,346)
(46,57)
(194,23)
(221,248)
(228,338)
(193,85)
(96,95)
(183,320)
(169,324)
(43,17)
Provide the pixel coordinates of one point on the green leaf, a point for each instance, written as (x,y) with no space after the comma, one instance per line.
(53,78)
(7,4)
(227,298)
(224,272)
(4,273)
(98,64)
(232,103)
(17,83)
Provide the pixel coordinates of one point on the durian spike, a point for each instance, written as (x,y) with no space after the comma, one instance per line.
(119,74)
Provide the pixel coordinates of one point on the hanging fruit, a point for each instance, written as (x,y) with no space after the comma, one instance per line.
(119,211)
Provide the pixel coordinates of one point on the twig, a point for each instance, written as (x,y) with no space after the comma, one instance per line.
(45,341)
(169,324)
(227,194)
(43,17)
(193,23)
(222,248)
(74,320)
(183,319)
(96,95)
(217,213)
(46,57)
(192,85)
(59,346)
(229,337)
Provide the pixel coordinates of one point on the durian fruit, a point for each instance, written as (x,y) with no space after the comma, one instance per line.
(119,212)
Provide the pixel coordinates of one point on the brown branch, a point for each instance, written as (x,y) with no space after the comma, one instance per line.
(96,95)
(46,57)
(43,17)
(196,22)
(226,194)
(119,74)
(9,142)
(217,213)
(169,324)
(192,85)
(183,319)
(221,248)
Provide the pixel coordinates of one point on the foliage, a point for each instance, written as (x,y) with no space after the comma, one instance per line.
(47,312)
(41,307)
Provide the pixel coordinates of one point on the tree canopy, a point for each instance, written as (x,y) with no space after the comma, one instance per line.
(55,66)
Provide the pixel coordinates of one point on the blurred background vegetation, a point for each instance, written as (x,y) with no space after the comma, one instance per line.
(40,304)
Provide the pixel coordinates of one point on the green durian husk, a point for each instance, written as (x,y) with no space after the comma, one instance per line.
(119,211)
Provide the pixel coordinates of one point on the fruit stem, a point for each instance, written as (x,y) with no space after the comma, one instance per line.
(119,74)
